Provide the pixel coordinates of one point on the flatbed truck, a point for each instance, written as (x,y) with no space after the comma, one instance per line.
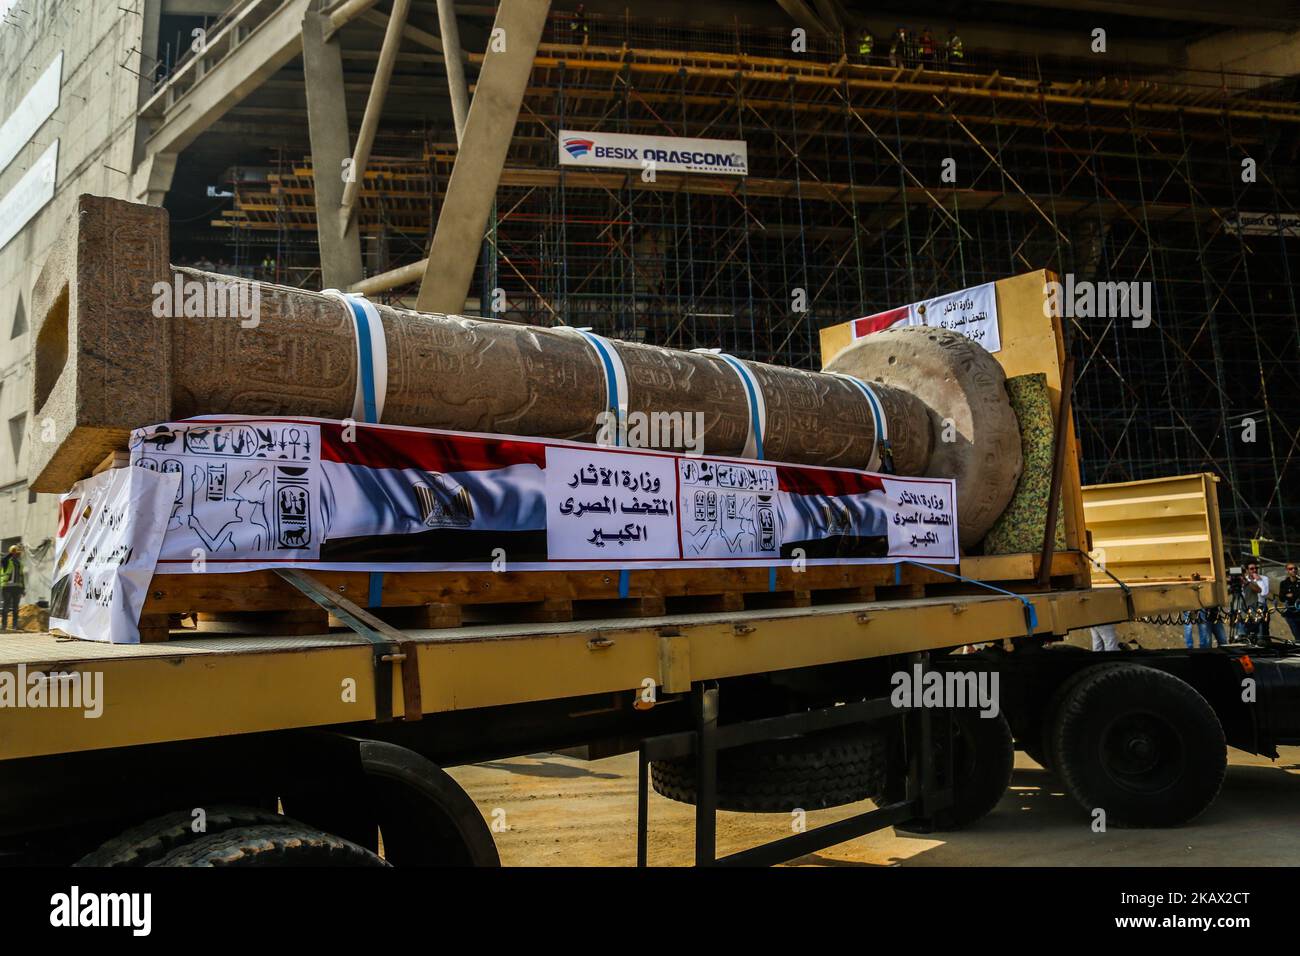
(264,748)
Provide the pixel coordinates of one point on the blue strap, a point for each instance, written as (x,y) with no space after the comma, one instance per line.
(1031,614)
(367,370)
(611,381)
(376,596)
(746,376)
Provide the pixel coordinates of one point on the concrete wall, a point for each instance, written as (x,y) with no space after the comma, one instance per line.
(95,126)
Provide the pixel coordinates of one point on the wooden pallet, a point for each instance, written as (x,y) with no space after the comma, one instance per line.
(261,602)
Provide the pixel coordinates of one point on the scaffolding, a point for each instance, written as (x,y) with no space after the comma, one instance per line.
(871,186)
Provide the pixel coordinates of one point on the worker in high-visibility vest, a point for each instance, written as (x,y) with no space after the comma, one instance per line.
(955,52)
(866,42)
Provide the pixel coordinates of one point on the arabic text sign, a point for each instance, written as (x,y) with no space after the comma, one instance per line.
(663,153)
(921,521)
(609,506)
(111,528)
(972,312)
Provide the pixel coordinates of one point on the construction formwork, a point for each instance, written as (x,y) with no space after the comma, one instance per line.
(872,185)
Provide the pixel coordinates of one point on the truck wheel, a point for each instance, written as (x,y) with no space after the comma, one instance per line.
(983,758)
(152,840)
(813,772)
(1042,748)
(1140,744)
(284,844)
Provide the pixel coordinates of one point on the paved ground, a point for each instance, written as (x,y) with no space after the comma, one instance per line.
(562,811)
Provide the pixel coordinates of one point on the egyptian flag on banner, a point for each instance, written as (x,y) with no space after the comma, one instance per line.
(881,320)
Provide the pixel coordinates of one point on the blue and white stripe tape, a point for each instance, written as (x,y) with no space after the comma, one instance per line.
(753,397)
(372,356)
(880,438)
(611,366)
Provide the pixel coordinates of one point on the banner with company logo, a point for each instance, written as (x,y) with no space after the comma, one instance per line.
(972,312)
(671,154)
(1285,224)
(111,528)
(261,493)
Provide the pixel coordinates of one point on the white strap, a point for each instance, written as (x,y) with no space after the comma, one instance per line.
(880,436)
(372,355)
(754,441)
(614,372)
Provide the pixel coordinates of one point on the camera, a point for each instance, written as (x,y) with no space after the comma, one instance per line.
(1235,581)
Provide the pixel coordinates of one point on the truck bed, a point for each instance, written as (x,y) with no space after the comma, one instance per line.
(213,685)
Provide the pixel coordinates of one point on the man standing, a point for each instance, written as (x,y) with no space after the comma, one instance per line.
(1288,593)
(1254,594)
(578,25)
(955,52)
(898,49)
(926,48)
(866,43)
(13,582)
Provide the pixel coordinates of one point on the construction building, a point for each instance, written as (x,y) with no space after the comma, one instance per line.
(353,145)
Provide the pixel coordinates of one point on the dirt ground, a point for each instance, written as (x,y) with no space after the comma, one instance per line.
(560,811)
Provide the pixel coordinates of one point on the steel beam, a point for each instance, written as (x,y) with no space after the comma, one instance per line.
(327,125)
(374,109)
(455,66)
(474,177)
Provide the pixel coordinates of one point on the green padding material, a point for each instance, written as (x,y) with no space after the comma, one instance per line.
(1021,526)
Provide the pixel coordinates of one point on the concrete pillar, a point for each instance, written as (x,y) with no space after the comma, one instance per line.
(327,123)
(488,130)
(451,54)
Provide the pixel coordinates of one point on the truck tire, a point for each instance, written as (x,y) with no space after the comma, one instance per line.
(1041,748)
(983,759)
(813,772)
(152,840)
(283,844)
(1140,744)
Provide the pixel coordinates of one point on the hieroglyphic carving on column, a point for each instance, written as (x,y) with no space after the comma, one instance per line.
(298,359)
(470,375)
(663,380)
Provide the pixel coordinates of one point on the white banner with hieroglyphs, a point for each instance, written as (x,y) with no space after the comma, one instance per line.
(110,531)
(248,490)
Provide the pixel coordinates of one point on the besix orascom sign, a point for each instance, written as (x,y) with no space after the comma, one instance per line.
(662,153)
